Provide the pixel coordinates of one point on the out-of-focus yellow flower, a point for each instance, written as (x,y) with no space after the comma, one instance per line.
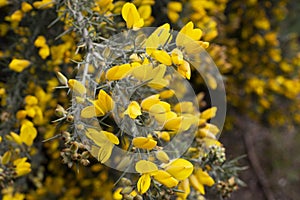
(22,167)
(26,7)
(27,134)
(44,52)
(31,100)
(132,16)
(40,41)
(100,107)
(44,4)
(3,3)
(6,157)
(133,110)
(144,143)
(16,16)
(162,156)
(209,113)
(15,196)
(19,65)
(174,8)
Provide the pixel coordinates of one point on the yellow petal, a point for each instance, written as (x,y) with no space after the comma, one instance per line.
(184,69)
(40,41)
(16,138)
(162,156)
(149,102)
(76,87)
(184,186)
(111,137)
(144,143)
(117,72)
(133,110)
(18,65)
(144,166)
(162,56)
(99,137)
(104,103)
(89,112)
(196,184)
(180,169)
(164,178)
(28,134)
(209,113)
(143,183)
(145,11)
(204,178)
(26,7)
(6,157)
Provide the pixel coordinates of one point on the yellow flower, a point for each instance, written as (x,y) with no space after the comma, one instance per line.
(6,158)
(105,142)
(117,72)
(165,178)
(143,183)
(158,38)
(44,4)
(149,102)
(3,3)
(18,65)
(15,196)
(177,56)
(184,69)
(185,187)
(22,167)
(27,134)
(162,57)
(188,33)
(162,156)
(145,168)
(173,9)
(132,16)
(76,87)
(16,16)
(44,52)
(180,169)
(26,7)
(199,179)
(155,76)
(100,107)
(133,110)
(209,113)
(144,143)
(31,100)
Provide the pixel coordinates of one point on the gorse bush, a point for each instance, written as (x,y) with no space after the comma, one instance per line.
(97,104)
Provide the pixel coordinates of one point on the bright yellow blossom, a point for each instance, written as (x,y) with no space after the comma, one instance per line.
(132,16)
(100,107)
(180,168)
(19,65)
(144,143)
(26,7)
(133,110)
(22,167)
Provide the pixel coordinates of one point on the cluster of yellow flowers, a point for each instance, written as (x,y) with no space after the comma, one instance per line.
(129,98)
